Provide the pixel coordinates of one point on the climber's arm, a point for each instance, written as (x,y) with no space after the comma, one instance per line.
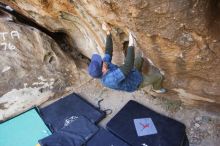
(129,61)
(108,48)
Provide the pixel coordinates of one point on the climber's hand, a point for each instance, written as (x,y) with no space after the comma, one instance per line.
(131,40)
(106,27)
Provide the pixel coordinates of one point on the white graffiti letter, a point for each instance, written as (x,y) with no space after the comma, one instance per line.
(4,45)
(3,35)
(11,46)
(15,34)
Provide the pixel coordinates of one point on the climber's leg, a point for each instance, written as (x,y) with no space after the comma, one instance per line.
(153,79)
(138,62)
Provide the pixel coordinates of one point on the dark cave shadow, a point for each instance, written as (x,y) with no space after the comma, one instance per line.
(213,18)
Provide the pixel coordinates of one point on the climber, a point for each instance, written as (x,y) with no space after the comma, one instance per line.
(127,77)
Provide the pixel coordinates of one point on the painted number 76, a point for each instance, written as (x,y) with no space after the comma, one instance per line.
(8,46)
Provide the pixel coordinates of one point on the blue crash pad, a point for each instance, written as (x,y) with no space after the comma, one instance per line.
(75,133)
(67,108)
(23,130)
(138,125)
(105,138)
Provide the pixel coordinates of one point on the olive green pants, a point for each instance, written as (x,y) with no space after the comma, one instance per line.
(154,79)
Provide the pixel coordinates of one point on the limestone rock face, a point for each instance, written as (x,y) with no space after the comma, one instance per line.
(33,68)
(182,38)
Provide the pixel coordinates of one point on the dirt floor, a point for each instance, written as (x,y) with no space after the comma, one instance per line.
(203,128)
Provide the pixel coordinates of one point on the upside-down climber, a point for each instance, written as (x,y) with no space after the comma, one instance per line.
(128,77)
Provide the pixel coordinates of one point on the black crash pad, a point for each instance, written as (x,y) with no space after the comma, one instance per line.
(140,126)
(64,110)
(75,133)
(105,138)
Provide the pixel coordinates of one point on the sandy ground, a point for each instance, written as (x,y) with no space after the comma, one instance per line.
(203,128)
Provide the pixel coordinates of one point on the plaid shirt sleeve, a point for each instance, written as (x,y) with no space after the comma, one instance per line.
(107,58)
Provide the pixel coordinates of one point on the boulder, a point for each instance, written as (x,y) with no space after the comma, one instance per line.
(33,68)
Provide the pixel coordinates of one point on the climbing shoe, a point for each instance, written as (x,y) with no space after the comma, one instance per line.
(160,91)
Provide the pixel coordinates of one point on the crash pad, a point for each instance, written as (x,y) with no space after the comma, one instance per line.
(23,130)
(105,138)
(138,125)
(64,110)
(75,133)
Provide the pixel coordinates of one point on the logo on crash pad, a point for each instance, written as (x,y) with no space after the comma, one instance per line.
(145,126)
(70,120)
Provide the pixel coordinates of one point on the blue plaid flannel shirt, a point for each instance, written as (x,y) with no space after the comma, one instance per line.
(115,79)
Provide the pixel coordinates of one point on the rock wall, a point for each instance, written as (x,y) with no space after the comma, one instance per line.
(33,67)
(182,38)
